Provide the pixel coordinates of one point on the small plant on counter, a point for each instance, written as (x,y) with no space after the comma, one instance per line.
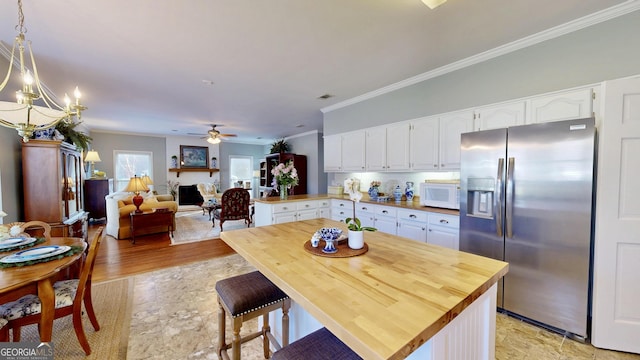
(355,195)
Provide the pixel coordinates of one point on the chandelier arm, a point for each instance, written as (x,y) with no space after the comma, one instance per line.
(43,94)
(11,59)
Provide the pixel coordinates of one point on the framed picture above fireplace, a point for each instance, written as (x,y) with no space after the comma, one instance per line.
(194,157)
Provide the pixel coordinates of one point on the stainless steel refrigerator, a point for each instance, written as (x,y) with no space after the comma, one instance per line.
(527,198)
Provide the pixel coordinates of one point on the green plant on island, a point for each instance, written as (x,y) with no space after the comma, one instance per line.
(355,195)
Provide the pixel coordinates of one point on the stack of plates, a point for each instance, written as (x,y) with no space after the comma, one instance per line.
(16,241)
(37,253)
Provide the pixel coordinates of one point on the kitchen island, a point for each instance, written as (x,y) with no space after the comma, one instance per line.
(400,299)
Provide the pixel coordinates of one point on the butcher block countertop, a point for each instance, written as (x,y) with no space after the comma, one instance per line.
(415,205)
(383,304)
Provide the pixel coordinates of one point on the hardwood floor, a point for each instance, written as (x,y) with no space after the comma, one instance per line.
(121,258)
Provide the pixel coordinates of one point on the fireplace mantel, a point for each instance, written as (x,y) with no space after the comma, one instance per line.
(179,170)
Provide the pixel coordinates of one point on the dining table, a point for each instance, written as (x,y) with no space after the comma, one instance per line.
(38,279)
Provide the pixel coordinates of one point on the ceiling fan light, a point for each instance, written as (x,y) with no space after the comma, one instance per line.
(213,140)
(432,4)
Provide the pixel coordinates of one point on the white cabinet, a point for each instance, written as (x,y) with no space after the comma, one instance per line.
(412,224)
(500,116)
(444,230)
(332,153)
(289,211)
(376,149)
(353,151)
(324,209)
(424,143)
(573,104)
(397,147)
(452,125)
(365,213)
(384,219)
(341,209)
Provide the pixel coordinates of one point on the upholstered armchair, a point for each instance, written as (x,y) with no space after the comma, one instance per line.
(234,206)
(208,191)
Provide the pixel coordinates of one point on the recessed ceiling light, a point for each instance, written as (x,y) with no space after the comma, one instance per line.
(325,96)
(207,82)
(300,125)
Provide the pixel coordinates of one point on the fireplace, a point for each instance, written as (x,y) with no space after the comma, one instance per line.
(189,195)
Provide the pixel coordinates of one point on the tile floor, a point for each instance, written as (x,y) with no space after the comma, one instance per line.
(175,317)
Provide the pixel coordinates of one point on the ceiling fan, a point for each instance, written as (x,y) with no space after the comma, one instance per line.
(214,136)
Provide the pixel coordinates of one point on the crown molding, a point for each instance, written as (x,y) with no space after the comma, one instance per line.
(554,32)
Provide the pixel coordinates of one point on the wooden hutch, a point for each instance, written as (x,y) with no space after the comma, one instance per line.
(52,186)
(299,162)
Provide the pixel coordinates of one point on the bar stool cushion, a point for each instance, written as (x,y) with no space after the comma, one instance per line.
(243,294)
(319,345)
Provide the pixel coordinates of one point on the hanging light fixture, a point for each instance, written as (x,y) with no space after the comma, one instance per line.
(432,4)
(23,115)
(213,140)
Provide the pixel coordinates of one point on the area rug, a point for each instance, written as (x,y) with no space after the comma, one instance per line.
(175,312)
(192,226)
(112,303)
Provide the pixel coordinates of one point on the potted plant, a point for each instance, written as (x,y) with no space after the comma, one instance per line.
(356,230)
(73,136)
(279,146)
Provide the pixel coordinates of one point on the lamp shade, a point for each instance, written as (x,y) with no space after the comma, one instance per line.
(2,213)
(92,157)
(136,185)
(147,180)
(432,4)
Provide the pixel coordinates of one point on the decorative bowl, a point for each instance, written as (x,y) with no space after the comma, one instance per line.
(330,234)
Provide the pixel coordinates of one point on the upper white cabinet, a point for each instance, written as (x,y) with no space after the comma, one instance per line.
(452,125)
(398,146)
(353,151)
(500,116)
(333,153)
(573,104)
(424,143)
(376,149)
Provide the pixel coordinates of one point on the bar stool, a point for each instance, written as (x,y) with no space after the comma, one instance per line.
(4,330)
(245,297)
(319,345)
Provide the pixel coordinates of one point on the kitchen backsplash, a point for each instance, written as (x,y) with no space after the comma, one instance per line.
(390,180)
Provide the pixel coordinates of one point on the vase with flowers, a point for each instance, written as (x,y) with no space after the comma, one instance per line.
(356,230)
(373,190)
(285,176)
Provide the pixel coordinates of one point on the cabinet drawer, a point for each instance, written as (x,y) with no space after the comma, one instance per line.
(284,207)
(306,205)
(342,204)
(450,221)
(412,215)
(385,211)
(324,203)
(364,207)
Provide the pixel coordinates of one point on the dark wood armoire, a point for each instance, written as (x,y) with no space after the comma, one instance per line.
(299,162)
(52,186)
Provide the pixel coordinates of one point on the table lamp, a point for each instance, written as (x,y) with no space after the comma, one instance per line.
(147,181)
(135,186)
(92,158)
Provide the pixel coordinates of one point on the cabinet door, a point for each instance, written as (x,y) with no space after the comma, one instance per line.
(424,143)
(376,149)
(385,224)
(443,236)
(353,151)
(500,116)
(284,217)
(413,230)
(452,125)
(332,153)
(397,147)
(307,214)
(340,214)
(324,213)
(574,104)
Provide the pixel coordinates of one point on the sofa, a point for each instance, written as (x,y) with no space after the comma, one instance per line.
(120,205)
(209,191)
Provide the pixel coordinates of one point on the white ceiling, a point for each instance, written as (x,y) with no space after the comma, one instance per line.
(141,63)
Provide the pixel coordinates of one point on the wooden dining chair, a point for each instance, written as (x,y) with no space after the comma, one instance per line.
(69,297)
(234,206)
(30,228)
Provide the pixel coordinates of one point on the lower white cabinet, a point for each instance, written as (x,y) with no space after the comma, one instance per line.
(444,230)
(412,224)
(384,219)
(289,211)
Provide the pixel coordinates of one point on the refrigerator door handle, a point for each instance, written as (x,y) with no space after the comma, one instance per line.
(509,220)
(498,207)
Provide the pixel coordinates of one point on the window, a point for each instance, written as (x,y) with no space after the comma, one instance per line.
(130,163)
(240,169)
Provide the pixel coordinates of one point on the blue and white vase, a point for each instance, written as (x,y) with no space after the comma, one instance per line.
(397,193)
(408,191)
(373,193)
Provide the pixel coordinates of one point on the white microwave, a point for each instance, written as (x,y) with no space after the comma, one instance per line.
(440,193)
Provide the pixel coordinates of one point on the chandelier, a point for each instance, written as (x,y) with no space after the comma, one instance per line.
(24,115)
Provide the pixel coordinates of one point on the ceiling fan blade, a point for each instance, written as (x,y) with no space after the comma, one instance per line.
(228,135)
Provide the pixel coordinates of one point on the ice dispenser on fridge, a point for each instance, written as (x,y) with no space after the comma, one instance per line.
(480,196)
